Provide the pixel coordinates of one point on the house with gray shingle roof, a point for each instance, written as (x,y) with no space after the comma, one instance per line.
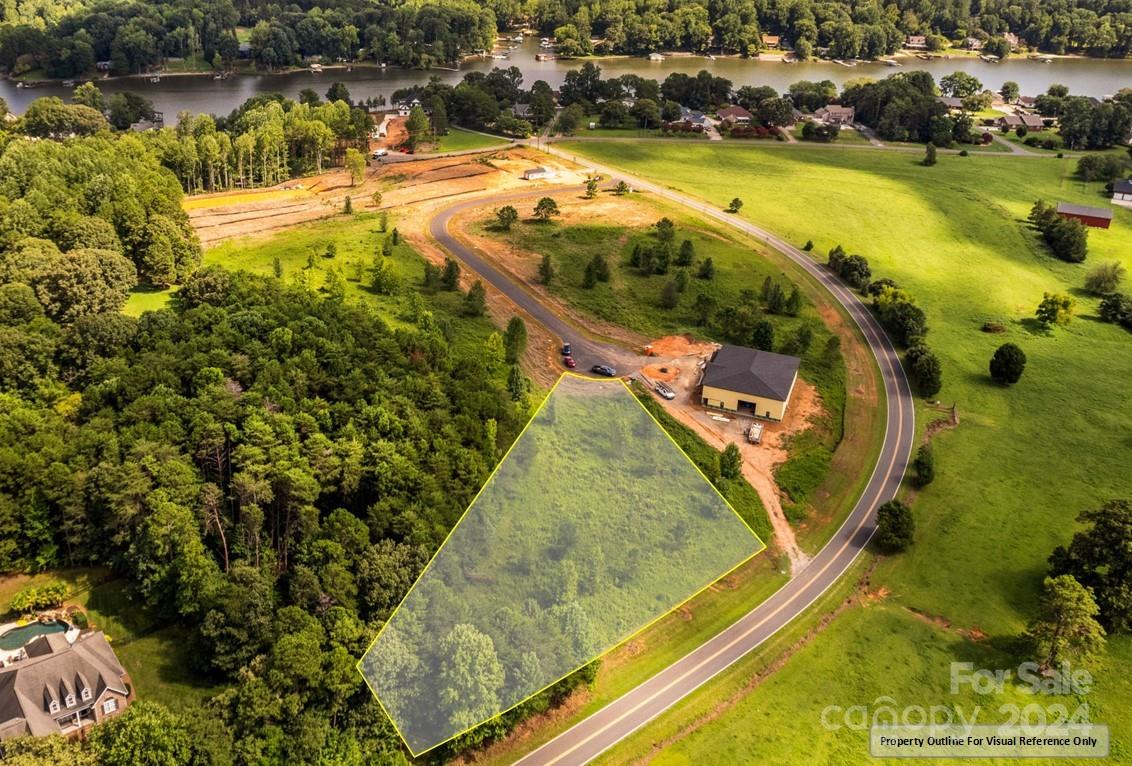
(62,688)
(749,381)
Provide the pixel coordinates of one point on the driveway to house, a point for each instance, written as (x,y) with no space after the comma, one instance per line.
(620,718)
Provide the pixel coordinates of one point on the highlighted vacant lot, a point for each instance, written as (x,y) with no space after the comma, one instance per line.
(594,525)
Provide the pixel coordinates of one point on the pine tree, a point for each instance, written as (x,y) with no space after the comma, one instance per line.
(687,253)
(475,302)
(731,462)
(794,302)
(516,383)
(450,279)
(546,270)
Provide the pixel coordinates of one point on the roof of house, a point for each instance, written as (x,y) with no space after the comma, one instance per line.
(736,112)
(750,371)
(1122,187)
(835,109)
(691,115)
(1029,120)
(951,102)
(53,670)
(1067,208)
(770,39)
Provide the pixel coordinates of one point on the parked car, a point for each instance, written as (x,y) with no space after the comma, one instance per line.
(569,362)
(664,391)
(565,349)
(380,153)
(603,369)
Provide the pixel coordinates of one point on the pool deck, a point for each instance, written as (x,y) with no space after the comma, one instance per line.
(10,655)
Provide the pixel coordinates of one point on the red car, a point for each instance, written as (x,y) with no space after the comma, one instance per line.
(569,362)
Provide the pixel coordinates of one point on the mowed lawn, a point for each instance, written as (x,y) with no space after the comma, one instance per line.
(457,140)
(1023,462)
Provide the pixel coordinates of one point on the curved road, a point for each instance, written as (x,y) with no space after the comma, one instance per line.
(587,349)
(620,718)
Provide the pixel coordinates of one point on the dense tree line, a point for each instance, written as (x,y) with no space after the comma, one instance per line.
(80,222)
(68,39)
(135,37)
(905,322)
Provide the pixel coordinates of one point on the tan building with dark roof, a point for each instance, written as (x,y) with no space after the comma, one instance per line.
(749,382)
(62,688)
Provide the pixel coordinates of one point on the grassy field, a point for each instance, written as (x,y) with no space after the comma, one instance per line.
(144,298)
(458,140)
(1023,462)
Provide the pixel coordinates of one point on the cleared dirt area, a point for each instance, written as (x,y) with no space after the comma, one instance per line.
(679,361)
(402,183)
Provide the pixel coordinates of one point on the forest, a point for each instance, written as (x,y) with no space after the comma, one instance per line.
(267,467)
(69,39)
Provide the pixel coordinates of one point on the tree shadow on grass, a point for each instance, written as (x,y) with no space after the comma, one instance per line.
(1035,327)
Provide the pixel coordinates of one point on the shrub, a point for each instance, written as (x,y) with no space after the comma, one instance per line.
(34,598)
(1007,364)
(1068,238)
(1117,308)
(924,370)
(1055,308)
(924,466)
(1105,278)
(895,527)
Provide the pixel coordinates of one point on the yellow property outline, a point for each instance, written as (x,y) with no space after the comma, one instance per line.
(614,646)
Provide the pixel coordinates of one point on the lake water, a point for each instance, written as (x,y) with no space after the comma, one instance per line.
(200,93)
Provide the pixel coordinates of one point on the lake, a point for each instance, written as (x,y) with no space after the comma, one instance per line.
(201,93)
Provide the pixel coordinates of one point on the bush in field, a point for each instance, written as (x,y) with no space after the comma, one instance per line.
(924,466)
(1007,364)
(1055,308)
(1117,308)
(895,527)
(1105,278)
(924,370)
(730,462)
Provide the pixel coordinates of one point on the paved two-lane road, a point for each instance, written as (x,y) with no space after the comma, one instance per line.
(621,717)
(587,349)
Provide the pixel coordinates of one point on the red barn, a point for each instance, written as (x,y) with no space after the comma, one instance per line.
(1097,217)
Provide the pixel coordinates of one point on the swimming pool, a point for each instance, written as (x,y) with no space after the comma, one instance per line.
(17,637)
